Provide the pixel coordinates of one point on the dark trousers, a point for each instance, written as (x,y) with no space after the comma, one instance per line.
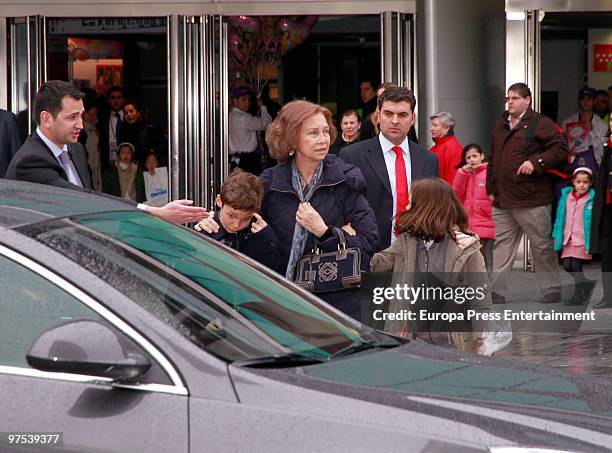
(605,248)
(250,162)
(574,267)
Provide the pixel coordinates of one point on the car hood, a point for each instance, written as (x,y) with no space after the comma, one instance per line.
(507,399)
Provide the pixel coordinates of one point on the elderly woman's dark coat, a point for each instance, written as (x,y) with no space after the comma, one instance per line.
(339,199)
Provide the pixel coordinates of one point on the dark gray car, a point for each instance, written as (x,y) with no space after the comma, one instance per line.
(126,333)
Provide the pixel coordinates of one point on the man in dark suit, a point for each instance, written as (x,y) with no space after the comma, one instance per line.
(390,161)
(109,126)
(53,156)
(9,139)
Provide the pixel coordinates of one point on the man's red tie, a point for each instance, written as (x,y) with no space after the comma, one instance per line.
(401,183)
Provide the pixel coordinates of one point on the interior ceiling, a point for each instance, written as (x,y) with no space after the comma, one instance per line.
(339,25)
(576,21)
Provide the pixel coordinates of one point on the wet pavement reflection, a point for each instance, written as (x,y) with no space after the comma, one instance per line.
(576,352)
(587,349)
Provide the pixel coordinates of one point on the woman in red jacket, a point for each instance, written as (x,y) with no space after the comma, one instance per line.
(470,185)
(447,148)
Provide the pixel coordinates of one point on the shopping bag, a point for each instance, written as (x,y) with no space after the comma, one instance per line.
(498,338)
(156,187)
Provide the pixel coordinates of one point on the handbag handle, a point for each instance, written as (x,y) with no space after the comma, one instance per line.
(341,240)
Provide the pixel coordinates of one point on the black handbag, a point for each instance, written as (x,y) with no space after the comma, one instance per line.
(330,271)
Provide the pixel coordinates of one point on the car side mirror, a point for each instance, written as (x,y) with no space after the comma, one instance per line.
(86,347)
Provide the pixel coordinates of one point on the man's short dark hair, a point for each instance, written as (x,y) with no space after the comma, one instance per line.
(115,88)
(602,93)
(397,94)
(50,95)
(521,89)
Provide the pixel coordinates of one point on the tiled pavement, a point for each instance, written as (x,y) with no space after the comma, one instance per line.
(577,347)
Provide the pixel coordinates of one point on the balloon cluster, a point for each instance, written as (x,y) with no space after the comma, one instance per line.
(257,40)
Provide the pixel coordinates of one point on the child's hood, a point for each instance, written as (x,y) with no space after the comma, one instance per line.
(465,241)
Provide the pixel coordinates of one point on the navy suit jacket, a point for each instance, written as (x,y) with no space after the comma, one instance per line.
(35,162)
(368,156)
(9,139)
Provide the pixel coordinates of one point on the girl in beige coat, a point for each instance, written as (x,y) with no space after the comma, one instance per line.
(434,241)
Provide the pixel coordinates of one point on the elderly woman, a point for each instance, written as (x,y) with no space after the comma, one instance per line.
(310,191)
(447,147)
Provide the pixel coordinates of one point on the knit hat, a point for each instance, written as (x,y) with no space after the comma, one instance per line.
(240,91)
(587,92)
(584,169)
(127,144)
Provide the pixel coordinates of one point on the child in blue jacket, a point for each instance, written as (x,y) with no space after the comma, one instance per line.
(572,231)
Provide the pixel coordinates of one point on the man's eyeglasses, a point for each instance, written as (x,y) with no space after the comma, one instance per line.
(514,98)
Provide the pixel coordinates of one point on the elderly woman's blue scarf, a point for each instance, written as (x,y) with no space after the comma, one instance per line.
(300,234)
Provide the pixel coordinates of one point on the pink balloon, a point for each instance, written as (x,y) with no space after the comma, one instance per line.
(236,48)
(270,34)
(291,34)
(246,24)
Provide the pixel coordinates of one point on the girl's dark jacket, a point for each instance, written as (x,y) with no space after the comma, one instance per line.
(339,200)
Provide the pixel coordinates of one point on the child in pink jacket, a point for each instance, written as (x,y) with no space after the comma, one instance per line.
(470,185)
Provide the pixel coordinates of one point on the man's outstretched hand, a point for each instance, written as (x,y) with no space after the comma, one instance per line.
(179,211)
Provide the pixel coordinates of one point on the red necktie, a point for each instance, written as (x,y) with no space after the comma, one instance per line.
(401,183)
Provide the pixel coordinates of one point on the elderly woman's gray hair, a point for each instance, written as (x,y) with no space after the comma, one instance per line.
(446,119)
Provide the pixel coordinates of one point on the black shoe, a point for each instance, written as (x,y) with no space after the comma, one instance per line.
(576,298)
(603,303)
(551,298)
(587,291)
(498,298)
(582,293)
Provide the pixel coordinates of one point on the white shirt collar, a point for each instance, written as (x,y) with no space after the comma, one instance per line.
(56,150)
(387,146)
(518,120)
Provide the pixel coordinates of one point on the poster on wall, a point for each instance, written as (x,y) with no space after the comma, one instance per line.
(602,57)
(108,75)
(96,49)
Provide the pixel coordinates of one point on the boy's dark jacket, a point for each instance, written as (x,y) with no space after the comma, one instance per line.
(261,246)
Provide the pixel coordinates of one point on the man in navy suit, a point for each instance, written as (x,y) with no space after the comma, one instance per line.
(9,139)
(390,162)
(53,156)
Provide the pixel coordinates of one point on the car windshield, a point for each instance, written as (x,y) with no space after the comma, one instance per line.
(212,295)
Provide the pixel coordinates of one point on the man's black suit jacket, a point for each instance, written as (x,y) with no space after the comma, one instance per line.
(9,139)
(368,156)
(35,162)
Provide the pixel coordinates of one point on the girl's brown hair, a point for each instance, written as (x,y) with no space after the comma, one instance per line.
(434,211)
(283,134)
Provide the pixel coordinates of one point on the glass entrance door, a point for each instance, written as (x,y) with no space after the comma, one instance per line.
(28,68)
(199,106)
(397,49)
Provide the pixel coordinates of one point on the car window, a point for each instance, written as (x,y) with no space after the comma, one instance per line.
(212,296)
(31,304)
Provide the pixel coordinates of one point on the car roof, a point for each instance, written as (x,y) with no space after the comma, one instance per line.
(22,203)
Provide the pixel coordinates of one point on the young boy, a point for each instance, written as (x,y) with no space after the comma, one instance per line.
(237,224)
